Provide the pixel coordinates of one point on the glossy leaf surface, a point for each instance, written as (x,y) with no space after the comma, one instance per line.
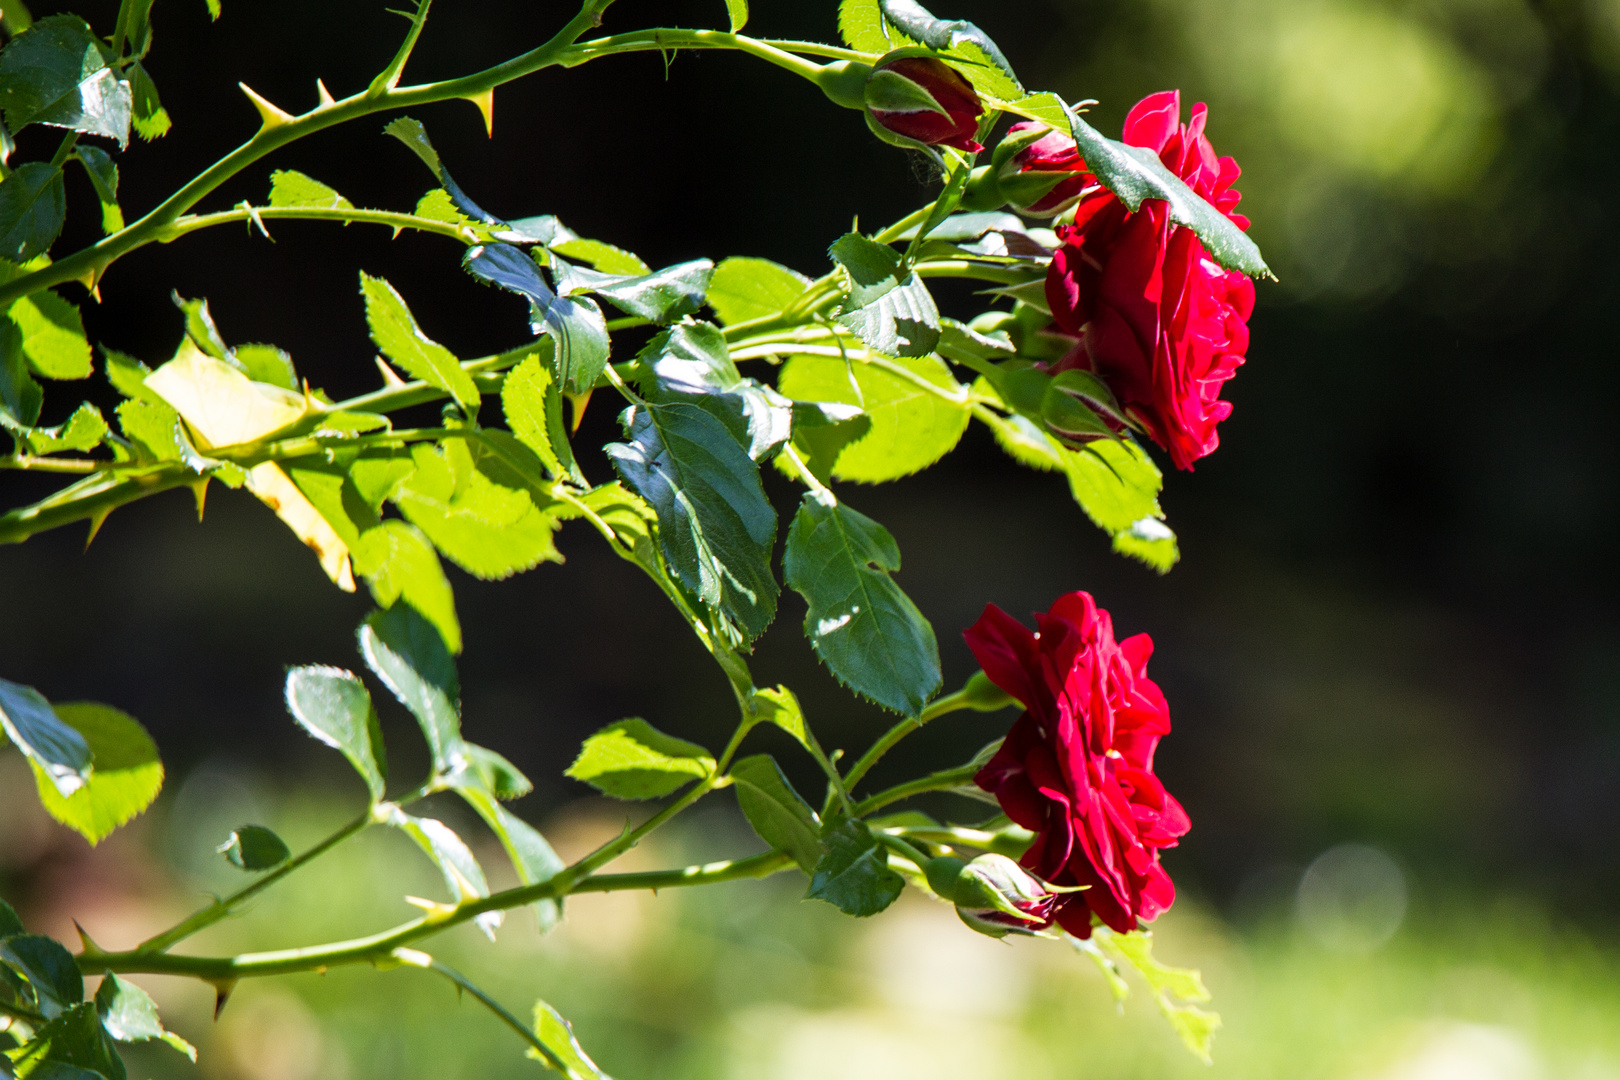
(334,706)
(778,814)
(865,629)
(631,759)
(40,734)
(125,776)
(854,875)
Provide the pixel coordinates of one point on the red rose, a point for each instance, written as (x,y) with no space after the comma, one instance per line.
(1077,767)
(1157,319)
(1053,152)
(924,100)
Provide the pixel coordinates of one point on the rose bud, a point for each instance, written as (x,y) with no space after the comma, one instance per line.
(920,101)
(1038,170)
(993,894)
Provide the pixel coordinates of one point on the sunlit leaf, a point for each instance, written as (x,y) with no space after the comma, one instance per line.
(1172,987)
(53,337)
(151,119)
(562,1050)
(334,706)
(659,297)
(631,759)
(60,73)
(714,522)
(534,411)
(412,659)
(892,312)
(691,363)
(289,188)
(576,324)
(743,289)
(462,874)
(73,1046)
(865,629)
(103,174)
(911,428)
(84,430)
(397,561)
(129,1015)
(56,747)
(488,530)
(125,776)
(532,857)
(396,333)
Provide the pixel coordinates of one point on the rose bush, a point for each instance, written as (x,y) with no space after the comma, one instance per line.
(1077,767)
(1155,317)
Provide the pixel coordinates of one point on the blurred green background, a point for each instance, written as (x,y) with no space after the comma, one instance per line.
(1392,649)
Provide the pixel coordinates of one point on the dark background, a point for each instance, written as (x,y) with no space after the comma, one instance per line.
(1395,620)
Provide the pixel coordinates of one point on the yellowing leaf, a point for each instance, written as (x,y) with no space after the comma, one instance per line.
(221,404)
(280,494)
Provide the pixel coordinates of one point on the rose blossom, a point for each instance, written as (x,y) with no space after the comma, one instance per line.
(1077,766)
(1157,319)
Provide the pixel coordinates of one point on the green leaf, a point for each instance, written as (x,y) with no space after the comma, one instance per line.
(714,523)
(152,426)
(129,1015)
(128,376)
(862,26)
(334,706)
(49,969)
(462,874)
(854,875)
(213,9)
(53,745)
(778,814)
(690,362)
(396,333)
(9,922)
(532,857)
(60,73)
(289,188)
(71,1047)
(1115,483)
(33,205)
(490,531)
(21,397)
(821,430)
(84,429)
(125,776)
(745,289)
(98,165)
(959,38)
(1171,987)
(576,326)
(738,11)
(660,297)
(268,364)
(1135,173)
(533,408)
(604,257)
(254,848)
(150,118)
(398,561)
(52,336)
(201,329)
(562,1051)
(865,629)
(377,476)
(414,135)
(911,427)
(408,654)
(631,759)
(892,314)
(780,707)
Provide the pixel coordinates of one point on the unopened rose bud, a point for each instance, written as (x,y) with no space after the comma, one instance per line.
(996,896)
(1039,170)
(918,100)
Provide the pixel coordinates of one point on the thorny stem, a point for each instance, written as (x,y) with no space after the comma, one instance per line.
(219,909)
(939,707)
(940,781)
